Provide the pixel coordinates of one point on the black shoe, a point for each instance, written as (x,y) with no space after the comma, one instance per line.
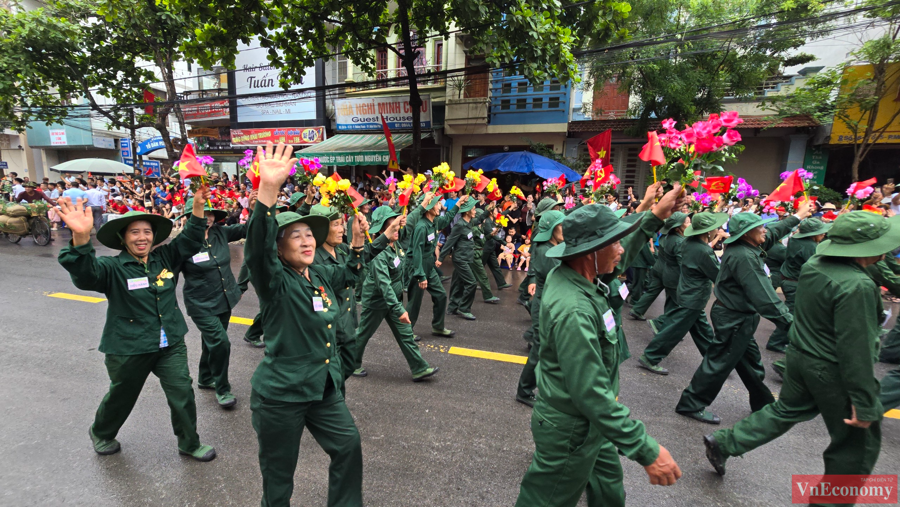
(445,278)
(206,386)
(417,338)
(492,301)
(522,302)
(702,416)
(504,286)
(526,400)
(451,312)
(714,454)
(635,316)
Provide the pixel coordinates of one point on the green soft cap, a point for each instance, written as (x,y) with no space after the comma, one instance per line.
(742,223)
(673,222)
(467,207)
(325,211)
(812,227)
(704,222)
(548,222)
(546,204)
(861,234)
(295,198)
(381,215)
(589,229)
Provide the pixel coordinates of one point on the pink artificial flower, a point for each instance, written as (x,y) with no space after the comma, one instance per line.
(731,137)
(719,141)
(703,129)
(704,145)
(664,140)
(688,135)
(730,119)
(614,180)
(864,193)
(668,124)
(714,123)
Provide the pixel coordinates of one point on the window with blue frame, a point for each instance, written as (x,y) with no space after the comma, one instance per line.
(515,101)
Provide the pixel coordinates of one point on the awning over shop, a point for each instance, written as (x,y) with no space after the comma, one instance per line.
(356,149)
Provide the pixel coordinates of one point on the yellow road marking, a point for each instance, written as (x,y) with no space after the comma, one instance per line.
(241,320)
(483,354)
(893,413)
(76,297)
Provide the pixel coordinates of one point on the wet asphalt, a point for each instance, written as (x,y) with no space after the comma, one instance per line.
(459,439)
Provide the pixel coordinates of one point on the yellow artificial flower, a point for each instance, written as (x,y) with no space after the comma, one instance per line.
(325,201)
(417,189)
(403,185)
(492,185)
(420,178)
(343,185)
(407,178)
(319,180)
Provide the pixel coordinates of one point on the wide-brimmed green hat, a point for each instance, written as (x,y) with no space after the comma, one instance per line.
(620,212)
(742,223)
(325,211)
(547,224)
(219,214)
(632,217)
(364,202)
(295,198)
(812,227)
(704,222)
(381,215)
(318,223)
(674,221)
(467,206)
(433,202)
(589,229)
(546,204)
(861,234)
(110,233)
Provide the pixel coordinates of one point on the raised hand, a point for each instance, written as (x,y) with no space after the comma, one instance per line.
(428,197)
(78,218)
(275,165)
(669,202)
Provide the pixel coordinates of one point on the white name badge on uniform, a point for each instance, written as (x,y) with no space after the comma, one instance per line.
(481,236)
(163,340)
(200,257)
(431,237)
(317,304)
(138,283)
(396,262)
(623,291)
(768,272)
(887,317)
(609,320)
(469,236)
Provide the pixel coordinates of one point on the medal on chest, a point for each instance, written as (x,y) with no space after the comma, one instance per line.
(165,274)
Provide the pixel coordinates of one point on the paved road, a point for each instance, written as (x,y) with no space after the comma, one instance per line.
(458,440)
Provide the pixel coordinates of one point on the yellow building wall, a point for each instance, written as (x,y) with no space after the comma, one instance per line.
(888,107)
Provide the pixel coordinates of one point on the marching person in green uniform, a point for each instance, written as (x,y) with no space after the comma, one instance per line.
(670,253)
(477,264)
(699,269)
(775,257)
(578,425)
(527,287)
(801,247)
(831,360)
(254,334)
(298,383)
(549,234)
(886,273)
(383,298)
(295,198)
(210,293)
(743,294)
(144,329)
(461,244)
(641,268)
(654,287)
(492,238)
(422,264)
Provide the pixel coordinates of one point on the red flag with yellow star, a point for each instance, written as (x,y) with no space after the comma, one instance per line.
(787,189)
(718,184)
(600,146)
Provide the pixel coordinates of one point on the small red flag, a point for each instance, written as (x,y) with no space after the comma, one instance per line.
(495,195)
(798,201)
(403,198)
(253,173)
(696,183)
(482,184)
(457,185)
(718,184)
(786,190)
(652,151)
(859,185)
(600,146)
(392,163)
(335,176)
(357,199)
(189,166)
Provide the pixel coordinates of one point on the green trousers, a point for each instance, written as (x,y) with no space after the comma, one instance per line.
(438,300)
(776,278)
(462,289)
(481,278)
(890,390)
(811,387)
(346,342)
(359,283)
(490,260)
(279,426)
(733,348)
(255,331)
(570,457)
(638,283)
(890,345)
(369,320)
(652,291)
(523,292)
(127,375)
(778,340)
(680,322)
(216,351)
(528,378)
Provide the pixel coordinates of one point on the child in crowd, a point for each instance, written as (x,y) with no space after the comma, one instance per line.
(524,254)
(507,254)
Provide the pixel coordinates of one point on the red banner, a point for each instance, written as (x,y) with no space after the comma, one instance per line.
(206,111)
(303,136)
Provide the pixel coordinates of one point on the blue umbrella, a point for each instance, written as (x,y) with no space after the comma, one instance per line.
(523,162)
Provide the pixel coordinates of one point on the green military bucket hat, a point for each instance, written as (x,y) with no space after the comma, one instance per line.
(620,213)
(318,223)
(220,214)
(433,202)
(546,204)
(325,211)
(861,234)
(812,227)
(673,221)
(381,215)
(589,229)
(742,223)
(295,198)
(704,222)
(110,233)
(467,207)
(547,224)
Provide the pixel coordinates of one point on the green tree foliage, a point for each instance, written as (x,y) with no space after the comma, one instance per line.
(538,36)
(80,51)
(685,56)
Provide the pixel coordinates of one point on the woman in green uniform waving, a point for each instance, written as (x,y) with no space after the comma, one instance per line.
(144,330)
(298,383)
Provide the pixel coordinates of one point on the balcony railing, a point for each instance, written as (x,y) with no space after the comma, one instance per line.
(384,77)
